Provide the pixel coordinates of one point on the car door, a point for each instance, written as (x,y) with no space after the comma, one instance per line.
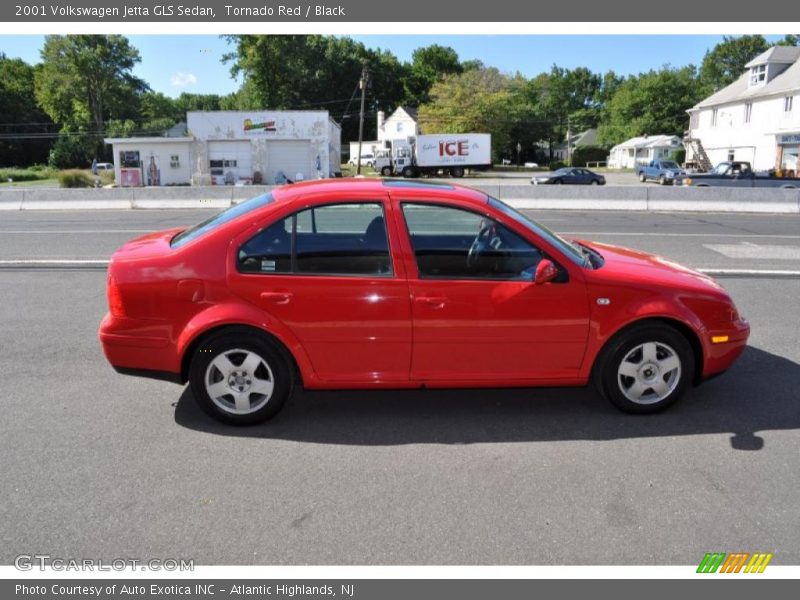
(481,318)
(328,273)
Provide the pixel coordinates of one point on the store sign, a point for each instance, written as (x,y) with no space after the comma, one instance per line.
(790,139)
(259,126)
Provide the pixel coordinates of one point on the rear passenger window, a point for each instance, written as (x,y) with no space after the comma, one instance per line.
(334,239)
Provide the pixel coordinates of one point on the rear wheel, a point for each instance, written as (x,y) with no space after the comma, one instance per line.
(642,177)
(646,368)
(457,172)
(409,172)
(240,377)
(386,171)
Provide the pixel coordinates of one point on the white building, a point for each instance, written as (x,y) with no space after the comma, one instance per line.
(753,119)
(233,147)
(400,125)
(643,149)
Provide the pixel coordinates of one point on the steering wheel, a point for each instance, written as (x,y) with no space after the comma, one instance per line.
(487,238)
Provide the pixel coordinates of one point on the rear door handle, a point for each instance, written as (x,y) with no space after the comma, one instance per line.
(276,297)
(432,301)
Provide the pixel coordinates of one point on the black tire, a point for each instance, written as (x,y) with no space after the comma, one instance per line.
(386,171)
(558,182)
(662,180)
(667,340)
(276,368)
(595,182)
(642,177)
(409,172)
(457,172)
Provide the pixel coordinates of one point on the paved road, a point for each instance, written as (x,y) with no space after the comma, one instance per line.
(701,240)
(95,464)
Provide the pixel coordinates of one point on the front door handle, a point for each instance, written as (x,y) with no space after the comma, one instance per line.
(431,301)
(276,297)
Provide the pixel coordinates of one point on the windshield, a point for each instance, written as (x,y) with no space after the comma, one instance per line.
(573,251)
(561,172)
(225,216)
(668,164)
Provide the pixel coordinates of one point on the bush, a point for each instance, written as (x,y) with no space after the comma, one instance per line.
(20,175)
(557,164)
(679,156)
(106,177)
(72,151)
(75,179)
(585,154)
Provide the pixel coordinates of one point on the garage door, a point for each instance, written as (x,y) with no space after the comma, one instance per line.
(231,159)
(291,157)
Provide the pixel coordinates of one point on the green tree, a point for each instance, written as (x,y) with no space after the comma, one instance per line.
(25,126)
(428,65)
(650,103)
(86,80)
(313,71)
(725,62)
(478,100)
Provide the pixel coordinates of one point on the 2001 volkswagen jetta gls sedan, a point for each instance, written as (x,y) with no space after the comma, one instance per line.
(392,284)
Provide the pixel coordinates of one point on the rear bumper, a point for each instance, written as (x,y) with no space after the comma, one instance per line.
(720,356)
(142,348)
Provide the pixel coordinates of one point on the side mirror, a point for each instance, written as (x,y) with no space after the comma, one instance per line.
(545,271)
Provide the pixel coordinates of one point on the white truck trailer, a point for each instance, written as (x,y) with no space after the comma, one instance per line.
(441,154)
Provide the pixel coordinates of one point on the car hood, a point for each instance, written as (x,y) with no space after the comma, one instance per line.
(625,264)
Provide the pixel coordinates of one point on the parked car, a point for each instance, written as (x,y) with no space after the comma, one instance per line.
(400,284)
(367,160)
(664,172)
(104,167)
(569,176)
(737,174)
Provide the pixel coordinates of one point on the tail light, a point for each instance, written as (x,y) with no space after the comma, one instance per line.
(115,303)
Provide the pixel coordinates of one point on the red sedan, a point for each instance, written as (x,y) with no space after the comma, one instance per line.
(395,284)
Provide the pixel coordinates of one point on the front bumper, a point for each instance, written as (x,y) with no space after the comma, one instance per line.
(721,355)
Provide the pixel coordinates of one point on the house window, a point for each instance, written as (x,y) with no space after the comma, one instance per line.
(731,154)
(174,161)
(748,111)
(218,166)
(787,103)
(399,127)
(758,75)
(714,117)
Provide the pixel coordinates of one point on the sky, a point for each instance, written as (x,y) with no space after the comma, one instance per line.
(172,64)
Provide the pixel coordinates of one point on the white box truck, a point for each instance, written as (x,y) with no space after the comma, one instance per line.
(441,154)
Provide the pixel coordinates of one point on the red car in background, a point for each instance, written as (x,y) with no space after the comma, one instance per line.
(395,284)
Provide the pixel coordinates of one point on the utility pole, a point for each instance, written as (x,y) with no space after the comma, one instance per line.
(363,83)
(569,143)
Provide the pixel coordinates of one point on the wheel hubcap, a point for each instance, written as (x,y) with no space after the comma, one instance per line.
(239,381)
(649,373)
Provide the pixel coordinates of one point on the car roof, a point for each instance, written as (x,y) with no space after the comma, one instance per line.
(411,187)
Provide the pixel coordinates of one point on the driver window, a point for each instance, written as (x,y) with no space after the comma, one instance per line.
(451,243)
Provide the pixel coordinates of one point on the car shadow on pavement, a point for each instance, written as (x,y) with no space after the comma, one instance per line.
(759,393)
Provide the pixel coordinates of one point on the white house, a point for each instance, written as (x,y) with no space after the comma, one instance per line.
(400,125)
(753,119)
(233,147)
(642,149)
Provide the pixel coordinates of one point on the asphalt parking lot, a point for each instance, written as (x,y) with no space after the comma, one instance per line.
(96,464)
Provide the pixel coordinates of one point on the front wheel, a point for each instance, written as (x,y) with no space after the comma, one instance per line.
(645,369)
(642,177)
(240,378)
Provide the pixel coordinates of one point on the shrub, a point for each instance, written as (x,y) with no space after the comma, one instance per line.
(106,177)
(20,175)
(557,164)
(75,179)
(71,151)
(679,156)
(585,154)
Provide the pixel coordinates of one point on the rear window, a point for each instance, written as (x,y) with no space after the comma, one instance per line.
(225,216)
